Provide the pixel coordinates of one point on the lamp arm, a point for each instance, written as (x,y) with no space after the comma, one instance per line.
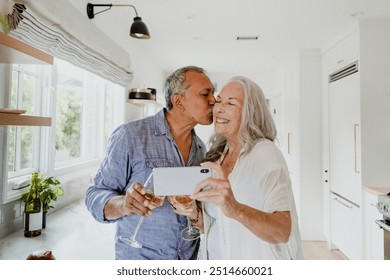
(91,13)
(102,11)
(124,5)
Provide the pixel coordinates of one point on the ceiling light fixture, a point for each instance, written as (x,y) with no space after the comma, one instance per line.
(357,15)
(138,29)
(247,37)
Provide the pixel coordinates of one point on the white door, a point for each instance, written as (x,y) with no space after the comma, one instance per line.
(344,129)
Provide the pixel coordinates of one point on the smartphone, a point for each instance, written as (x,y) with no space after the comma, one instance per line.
(178,180)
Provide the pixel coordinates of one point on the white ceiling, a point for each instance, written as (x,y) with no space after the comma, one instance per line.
(204,32)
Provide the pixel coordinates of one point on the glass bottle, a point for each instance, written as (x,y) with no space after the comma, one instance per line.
(33,209)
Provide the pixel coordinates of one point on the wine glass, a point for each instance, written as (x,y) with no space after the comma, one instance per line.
(154,201)
(190,232)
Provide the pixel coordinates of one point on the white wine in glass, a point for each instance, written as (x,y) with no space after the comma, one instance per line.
(190,232)
(154,201)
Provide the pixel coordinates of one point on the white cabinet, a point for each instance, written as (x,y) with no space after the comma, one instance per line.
(362,120)
(345,179)
(374,234)
(344,124)
(346,231)
(345,52)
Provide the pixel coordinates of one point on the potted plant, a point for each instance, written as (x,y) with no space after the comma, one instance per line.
(50,191)
(47,189)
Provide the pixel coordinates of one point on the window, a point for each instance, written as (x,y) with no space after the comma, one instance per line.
(26,84)
(85,108)
(76,102)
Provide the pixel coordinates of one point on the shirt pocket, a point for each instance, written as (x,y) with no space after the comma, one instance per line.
(143,168)
(158,162)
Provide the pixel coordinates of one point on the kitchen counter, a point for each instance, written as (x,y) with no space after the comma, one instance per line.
(71,233)
(377,190)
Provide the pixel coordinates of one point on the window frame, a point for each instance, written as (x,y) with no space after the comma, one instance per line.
(46,159)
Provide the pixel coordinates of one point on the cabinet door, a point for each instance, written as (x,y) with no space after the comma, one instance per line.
(374,234)
(346,227)
(344,141)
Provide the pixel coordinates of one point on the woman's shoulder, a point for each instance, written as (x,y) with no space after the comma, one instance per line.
(266,151)
(265,145)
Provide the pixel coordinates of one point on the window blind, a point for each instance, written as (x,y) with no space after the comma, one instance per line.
(58,28)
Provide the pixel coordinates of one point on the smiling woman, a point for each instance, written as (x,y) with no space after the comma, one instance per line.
(249,213)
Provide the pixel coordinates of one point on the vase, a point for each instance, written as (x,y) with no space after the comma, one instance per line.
(44,215)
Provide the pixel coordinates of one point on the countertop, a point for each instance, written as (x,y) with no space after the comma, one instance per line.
(377,190)
(71,233)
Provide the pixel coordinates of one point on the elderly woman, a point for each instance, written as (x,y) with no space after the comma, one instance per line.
(249,211)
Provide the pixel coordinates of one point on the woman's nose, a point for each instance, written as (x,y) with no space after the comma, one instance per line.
(218,108)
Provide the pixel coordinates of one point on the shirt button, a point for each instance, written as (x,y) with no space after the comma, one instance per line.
(179,251)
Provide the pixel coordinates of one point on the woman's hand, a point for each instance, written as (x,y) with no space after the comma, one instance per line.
(183,205)
(217,190)
(272,227)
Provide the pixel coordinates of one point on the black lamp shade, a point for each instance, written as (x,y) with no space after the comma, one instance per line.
(139,30)
(141,94)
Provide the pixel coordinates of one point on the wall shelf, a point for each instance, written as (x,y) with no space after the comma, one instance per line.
(13,51)
(12,119)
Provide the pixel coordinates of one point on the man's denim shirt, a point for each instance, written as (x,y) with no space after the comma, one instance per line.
(134,149)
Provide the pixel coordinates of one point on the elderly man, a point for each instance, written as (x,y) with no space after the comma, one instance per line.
(135,148)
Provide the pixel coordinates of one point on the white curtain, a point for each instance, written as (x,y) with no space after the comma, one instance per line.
(58,28)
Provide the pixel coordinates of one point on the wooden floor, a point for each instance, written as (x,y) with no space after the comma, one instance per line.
(318,250)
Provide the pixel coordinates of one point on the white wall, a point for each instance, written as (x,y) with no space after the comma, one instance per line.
(298,107)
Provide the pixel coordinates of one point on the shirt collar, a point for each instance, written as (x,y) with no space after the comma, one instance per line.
(161,127)
(160,123)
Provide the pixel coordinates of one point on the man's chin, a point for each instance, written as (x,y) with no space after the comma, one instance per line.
(207,122)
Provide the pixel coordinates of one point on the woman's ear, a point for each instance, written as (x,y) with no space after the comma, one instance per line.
(177,102)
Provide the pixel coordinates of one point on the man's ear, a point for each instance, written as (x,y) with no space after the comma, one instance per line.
(177,102)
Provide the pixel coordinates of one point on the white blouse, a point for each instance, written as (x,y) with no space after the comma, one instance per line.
(260,180)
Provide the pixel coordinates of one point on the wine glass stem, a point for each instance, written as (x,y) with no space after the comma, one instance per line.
(189,224)
(137,227)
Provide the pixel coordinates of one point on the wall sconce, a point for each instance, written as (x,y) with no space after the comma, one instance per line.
(138,28)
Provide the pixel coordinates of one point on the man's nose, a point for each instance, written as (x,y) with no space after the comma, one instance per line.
(212,99)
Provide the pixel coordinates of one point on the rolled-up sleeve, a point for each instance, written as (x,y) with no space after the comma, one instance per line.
(112,176)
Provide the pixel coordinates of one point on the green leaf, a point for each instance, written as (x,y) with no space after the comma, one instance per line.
(5,25)
(46,189)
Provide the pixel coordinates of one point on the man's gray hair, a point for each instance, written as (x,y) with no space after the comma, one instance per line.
(176,83)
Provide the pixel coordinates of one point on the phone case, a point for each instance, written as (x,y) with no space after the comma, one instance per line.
(178,180)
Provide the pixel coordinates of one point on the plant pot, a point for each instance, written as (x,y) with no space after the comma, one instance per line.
(44,215)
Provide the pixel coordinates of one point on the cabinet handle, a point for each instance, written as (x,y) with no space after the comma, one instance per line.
(289,143)
(382,224)
(355,147)
(346,205)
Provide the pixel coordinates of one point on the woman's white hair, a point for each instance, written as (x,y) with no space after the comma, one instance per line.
(256,120)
